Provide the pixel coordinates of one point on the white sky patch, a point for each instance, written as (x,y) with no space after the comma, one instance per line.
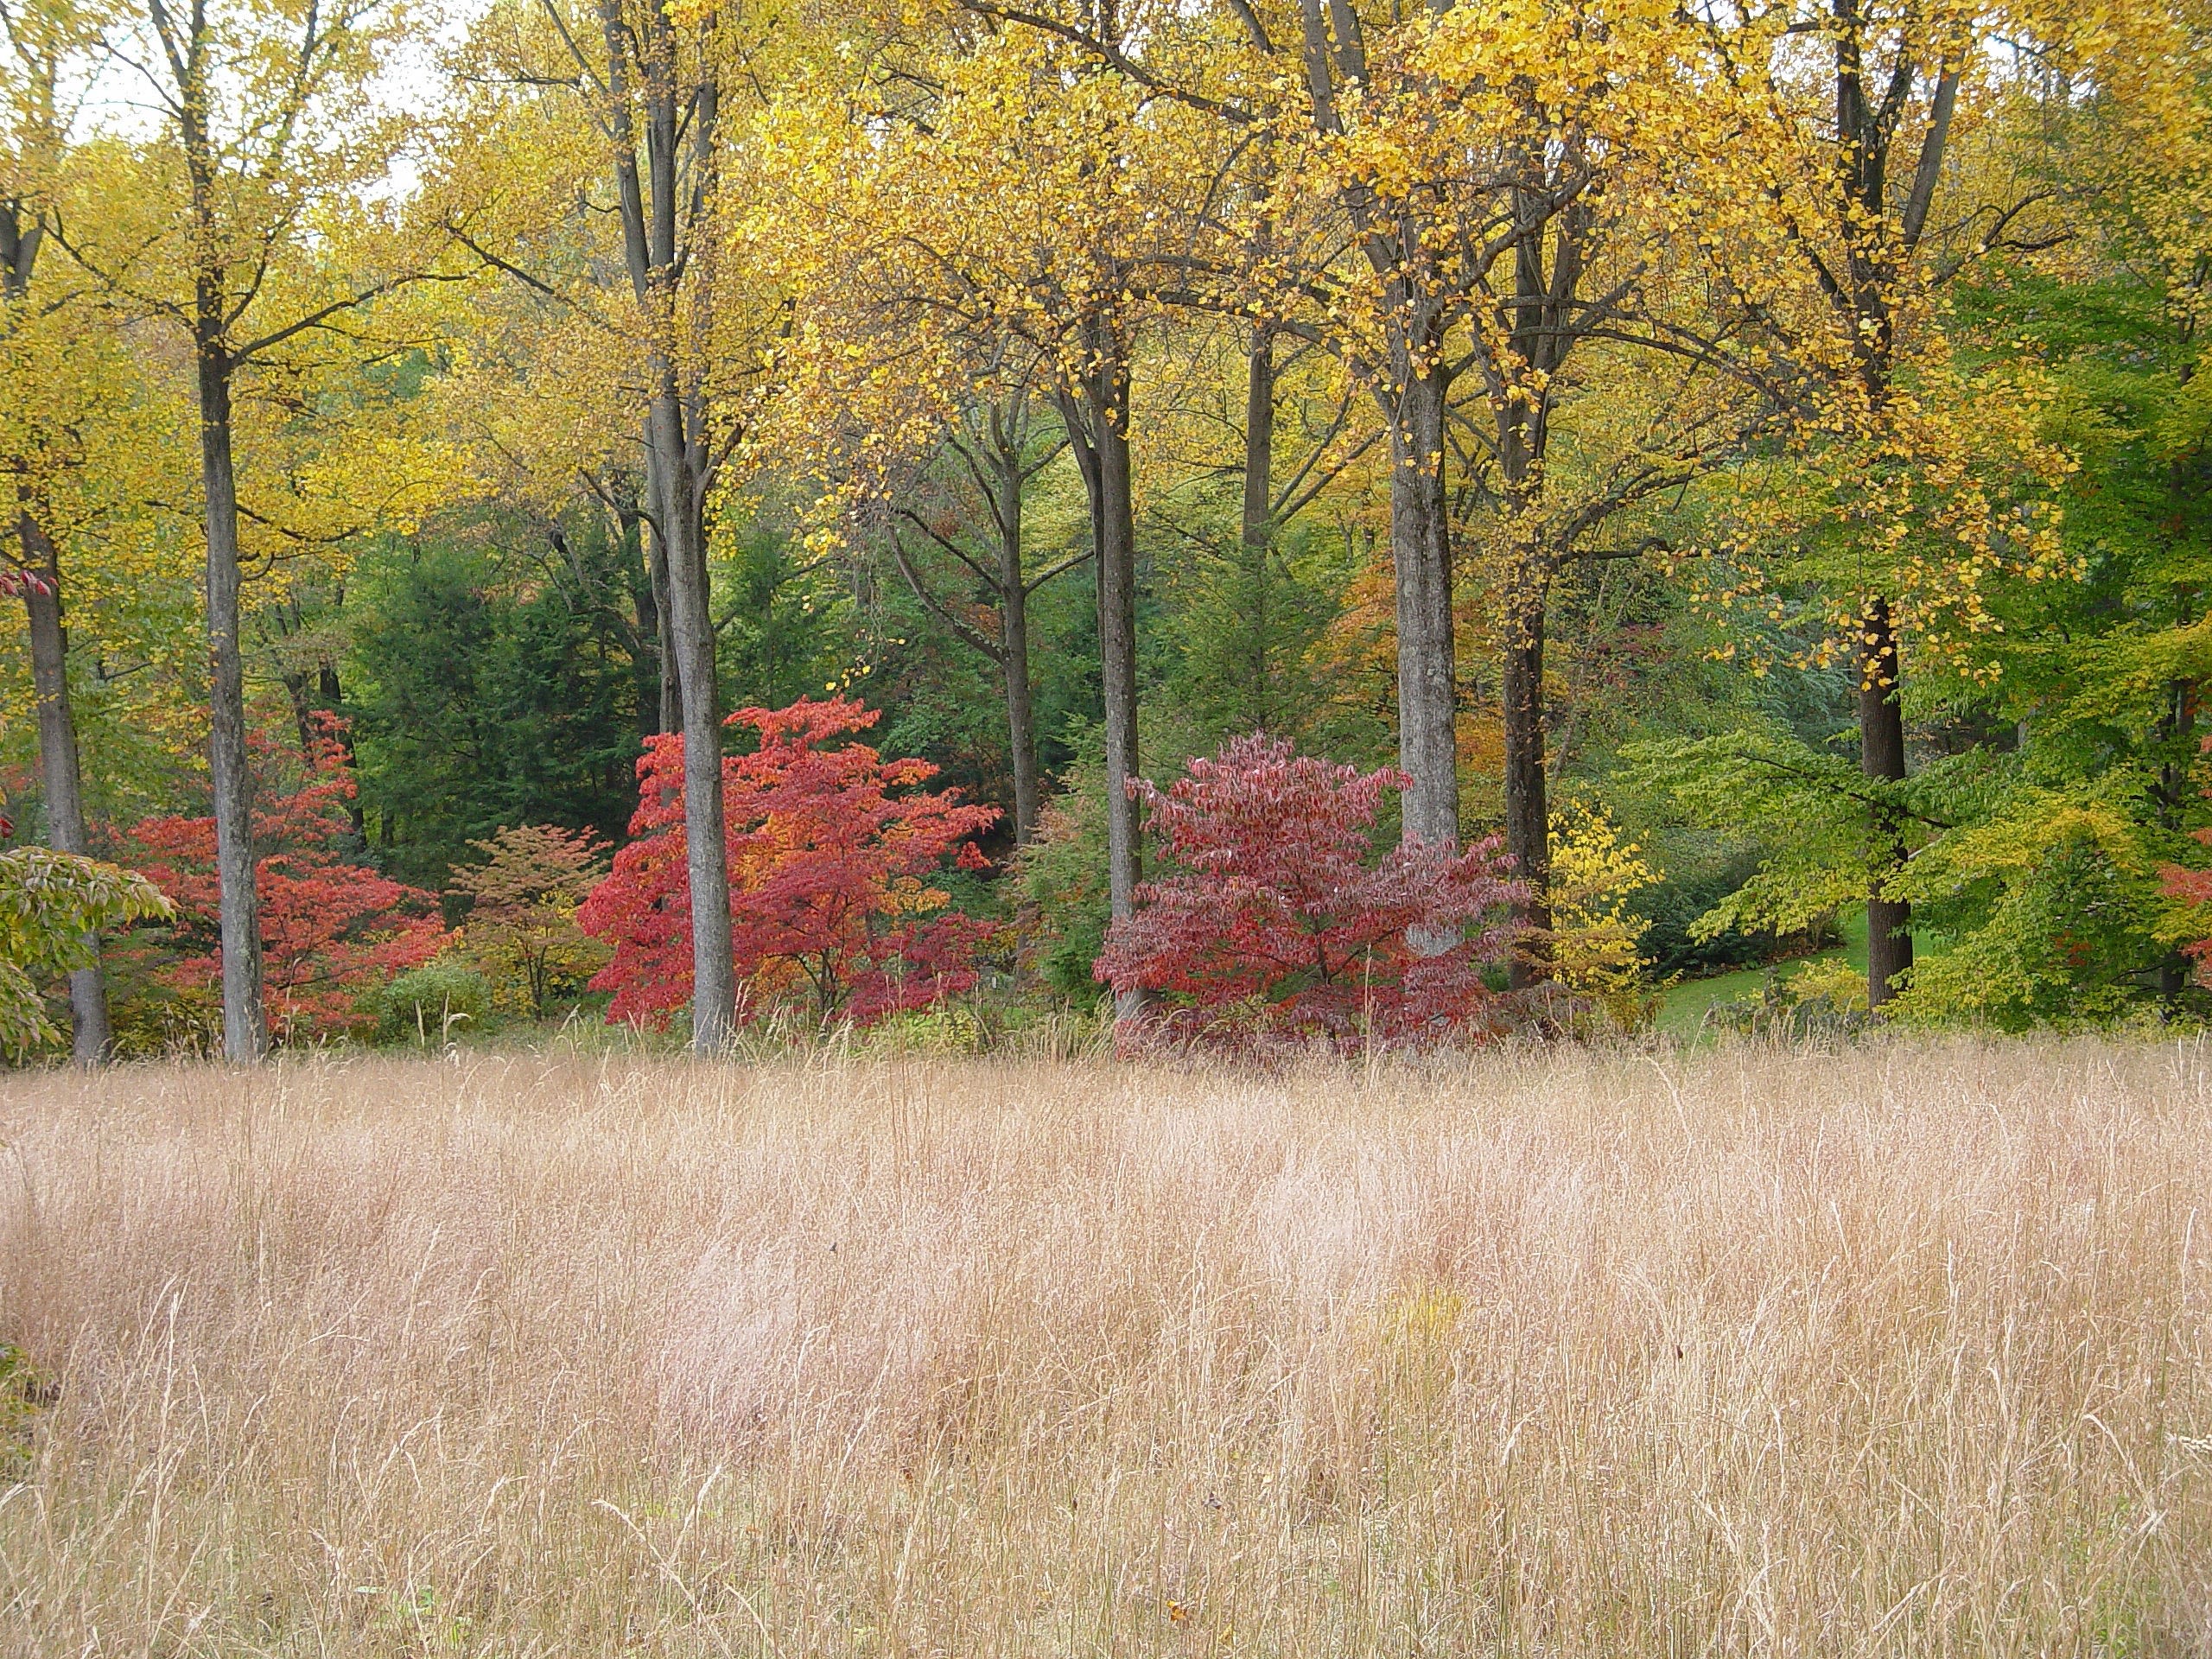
(119,100)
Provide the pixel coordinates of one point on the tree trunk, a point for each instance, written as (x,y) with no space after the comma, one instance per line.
(1542,324)
(333,697)
(320,693)
(246,1035)
(1258,518)
(300,687)
(653,206)
(690,645)
(2175,728)
(1421,547)
(1881,757)
(1527,807)
(1117,631)
(654,697)
(1098,432)
(669,713)
(671,693)
(90,1035)
(1014,648)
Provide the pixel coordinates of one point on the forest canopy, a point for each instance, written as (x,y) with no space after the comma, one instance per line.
(1725,487)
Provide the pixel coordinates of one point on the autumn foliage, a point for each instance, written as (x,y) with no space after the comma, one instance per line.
(831,852)
(52,906)
(331,931)
(523,903)
(2192,892)
(1274,925)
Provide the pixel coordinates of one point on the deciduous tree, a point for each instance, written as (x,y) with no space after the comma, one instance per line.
(1273,923)
(1874,155)
(523,903)
(245,222)
(332,930)
(51,50)
(831,853)
(1040,197)
(668,101)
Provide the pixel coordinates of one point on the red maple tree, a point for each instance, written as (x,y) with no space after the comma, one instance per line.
(1274,925)
(2192,890)
(831,849)
(331,931)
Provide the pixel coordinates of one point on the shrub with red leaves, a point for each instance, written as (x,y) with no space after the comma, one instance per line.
(1275,926)
(331,931)
(2192,889)
(831,849)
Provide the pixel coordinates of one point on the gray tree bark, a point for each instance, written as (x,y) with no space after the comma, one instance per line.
(1098,418)
(1014,648)
(92,1036)
(1881,757)
(691,644)
(1421,545)
(670,714)
(1257,518)
(245,1032)
(657,212)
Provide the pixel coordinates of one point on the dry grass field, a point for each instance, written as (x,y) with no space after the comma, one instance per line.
(1898,1350)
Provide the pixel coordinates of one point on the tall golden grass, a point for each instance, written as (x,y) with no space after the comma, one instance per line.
(1901,1350)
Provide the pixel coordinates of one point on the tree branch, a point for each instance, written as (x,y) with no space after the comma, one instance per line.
(968,635)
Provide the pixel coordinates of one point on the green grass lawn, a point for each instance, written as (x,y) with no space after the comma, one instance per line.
(1681,1012)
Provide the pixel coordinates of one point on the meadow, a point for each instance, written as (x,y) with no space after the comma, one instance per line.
(1901,1349)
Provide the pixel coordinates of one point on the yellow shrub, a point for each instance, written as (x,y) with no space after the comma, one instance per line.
(1596,941)
(1842,985)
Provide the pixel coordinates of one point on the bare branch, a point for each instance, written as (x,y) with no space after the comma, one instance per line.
(969,636)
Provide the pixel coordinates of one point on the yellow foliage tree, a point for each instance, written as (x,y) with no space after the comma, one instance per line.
(249,223)
(83,442)
(622,167)
(1594,949)
(1878,157)
(1044,203)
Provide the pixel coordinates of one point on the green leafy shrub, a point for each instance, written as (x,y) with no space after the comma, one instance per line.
(946,1029)
(1820,998)
(522,926)
(51,906)
(1063,885)
(429,1003)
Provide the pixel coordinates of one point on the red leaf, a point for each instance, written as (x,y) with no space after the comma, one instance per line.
(331,931)
(1275,926)
(829,875)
